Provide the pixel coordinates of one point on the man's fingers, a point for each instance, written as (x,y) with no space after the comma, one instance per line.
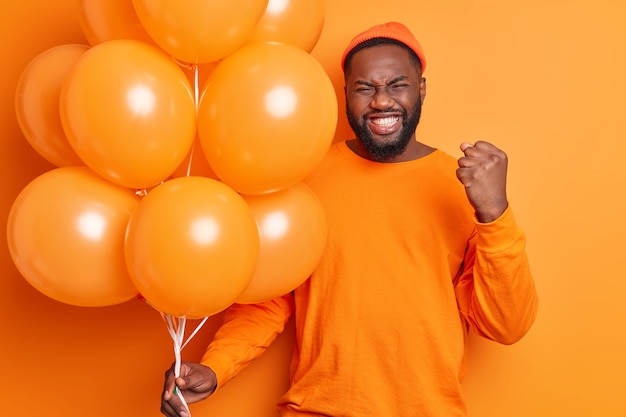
(465,162)
(167,410)
(171,411)
(173,407)
(465,145)
(169,384)
(183,382)
(478,147)
(474,151)
(481,153)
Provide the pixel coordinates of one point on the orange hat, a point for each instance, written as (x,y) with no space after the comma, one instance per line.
(390,30)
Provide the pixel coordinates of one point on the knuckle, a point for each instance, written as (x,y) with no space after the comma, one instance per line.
(494,159)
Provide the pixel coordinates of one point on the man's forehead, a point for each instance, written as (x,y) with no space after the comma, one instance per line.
(381,61)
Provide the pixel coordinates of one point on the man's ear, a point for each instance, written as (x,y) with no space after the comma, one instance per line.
(422,89)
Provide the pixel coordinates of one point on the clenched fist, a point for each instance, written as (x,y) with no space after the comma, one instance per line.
(483,173)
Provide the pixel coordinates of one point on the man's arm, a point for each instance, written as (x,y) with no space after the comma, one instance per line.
(496,290)
(248,330)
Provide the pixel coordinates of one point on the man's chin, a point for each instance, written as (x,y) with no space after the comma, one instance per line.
(384,153)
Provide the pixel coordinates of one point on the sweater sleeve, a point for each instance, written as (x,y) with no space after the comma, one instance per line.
(496,291)
(247,330)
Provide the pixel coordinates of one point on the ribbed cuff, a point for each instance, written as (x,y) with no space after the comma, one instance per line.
(499,234)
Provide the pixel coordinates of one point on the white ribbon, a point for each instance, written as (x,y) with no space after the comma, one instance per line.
(176,329)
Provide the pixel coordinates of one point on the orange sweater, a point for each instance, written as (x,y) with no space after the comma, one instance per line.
(381,324)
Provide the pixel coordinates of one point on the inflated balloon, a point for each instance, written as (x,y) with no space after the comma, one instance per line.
(196,31)
(266,117)
(129,112)
(296,22)
(292,231)
(37,103)
(105,20)
(65,233)
(191,247)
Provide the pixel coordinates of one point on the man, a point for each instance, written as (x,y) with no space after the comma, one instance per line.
(421,248)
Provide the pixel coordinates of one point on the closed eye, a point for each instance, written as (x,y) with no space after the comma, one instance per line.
(366,90)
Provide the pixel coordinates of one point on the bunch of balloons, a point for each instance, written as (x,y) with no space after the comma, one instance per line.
(181,138)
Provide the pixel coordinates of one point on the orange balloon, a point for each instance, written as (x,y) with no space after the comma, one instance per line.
(105,20)
(292,231)
(129,112)
(266,117)
(65,234)
(37,103)
(191,247)
(196,31)
(296,22)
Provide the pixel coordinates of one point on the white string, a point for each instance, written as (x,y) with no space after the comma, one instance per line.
(176,329)
(196,92)
(196,85)
(198,327)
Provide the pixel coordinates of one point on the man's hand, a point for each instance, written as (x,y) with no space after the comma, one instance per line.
(196,382)
(483,172)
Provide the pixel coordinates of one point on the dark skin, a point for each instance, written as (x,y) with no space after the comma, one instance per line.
(383,87)
(196,382)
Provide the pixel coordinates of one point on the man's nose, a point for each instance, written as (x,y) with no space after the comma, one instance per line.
(381,98)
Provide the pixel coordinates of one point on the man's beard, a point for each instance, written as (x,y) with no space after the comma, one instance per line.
(384,151)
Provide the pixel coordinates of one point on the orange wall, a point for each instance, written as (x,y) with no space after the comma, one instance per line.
(541,78)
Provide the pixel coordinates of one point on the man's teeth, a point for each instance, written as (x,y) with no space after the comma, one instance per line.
(385,121)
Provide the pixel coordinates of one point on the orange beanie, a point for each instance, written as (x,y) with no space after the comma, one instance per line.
(390,30)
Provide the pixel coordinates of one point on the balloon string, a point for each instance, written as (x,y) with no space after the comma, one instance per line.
(191,151)
(176,329)
(196,93)
(198,327)
(196,83)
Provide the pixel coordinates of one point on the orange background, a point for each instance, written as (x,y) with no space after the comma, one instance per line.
(543,79)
